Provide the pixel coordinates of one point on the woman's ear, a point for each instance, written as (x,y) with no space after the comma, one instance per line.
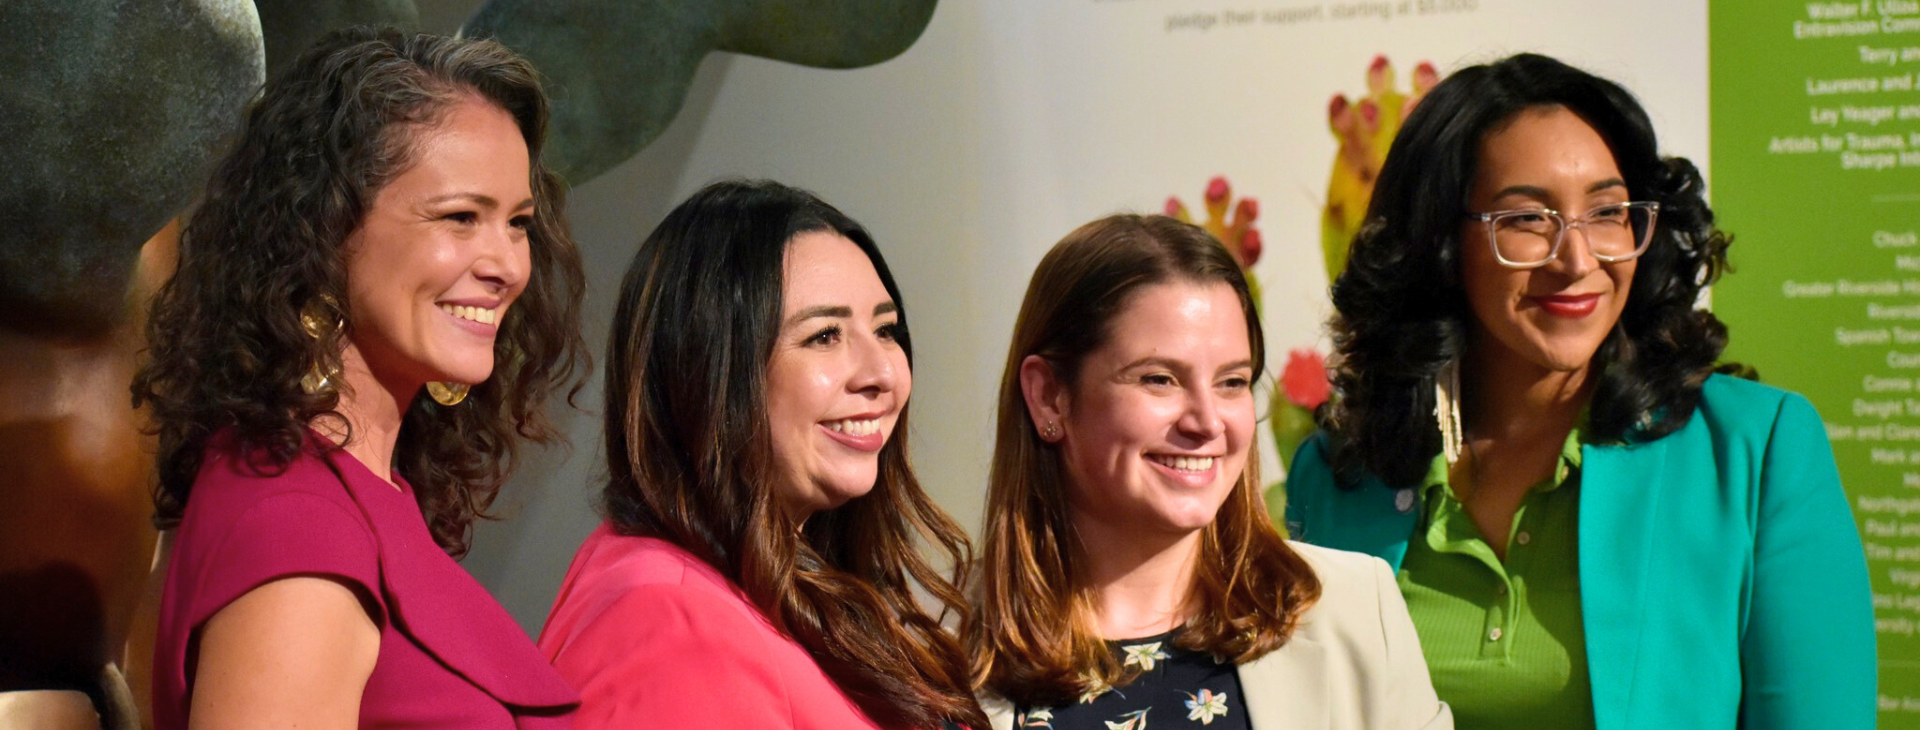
(1046,397)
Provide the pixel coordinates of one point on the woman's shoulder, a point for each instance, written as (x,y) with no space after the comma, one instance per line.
(1730,402)
(1351,589)
(617,580)
(1341,571)
(612,562)
(1736,410)
(233,482)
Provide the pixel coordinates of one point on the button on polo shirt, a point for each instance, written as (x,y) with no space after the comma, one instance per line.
(1503,641)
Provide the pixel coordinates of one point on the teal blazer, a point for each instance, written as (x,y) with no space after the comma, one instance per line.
(1722,581)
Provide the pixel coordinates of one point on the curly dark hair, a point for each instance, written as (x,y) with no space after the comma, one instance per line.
(690,458)
(226,346)
(1401,313)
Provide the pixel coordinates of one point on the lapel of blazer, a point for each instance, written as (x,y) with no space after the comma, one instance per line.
(1287,689)
(1620,494)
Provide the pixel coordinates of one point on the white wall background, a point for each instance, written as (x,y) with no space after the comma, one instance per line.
(1007,125)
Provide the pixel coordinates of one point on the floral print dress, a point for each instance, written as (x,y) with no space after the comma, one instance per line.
(1176,688)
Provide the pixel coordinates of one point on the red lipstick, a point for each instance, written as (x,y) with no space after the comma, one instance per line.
(1568,306)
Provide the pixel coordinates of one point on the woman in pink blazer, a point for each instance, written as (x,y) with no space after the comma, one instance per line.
(374,299)
(761,544)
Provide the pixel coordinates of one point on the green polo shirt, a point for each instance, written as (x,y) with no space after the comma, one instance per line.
(1504,641)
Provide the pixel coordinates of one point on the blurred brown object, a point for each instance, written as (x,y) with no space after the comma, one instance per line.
(47,709)
(76,539)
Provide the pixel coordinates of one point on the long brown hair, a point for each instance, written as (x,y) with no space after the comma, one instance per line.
(1032,632)
(227,347)
(690,458)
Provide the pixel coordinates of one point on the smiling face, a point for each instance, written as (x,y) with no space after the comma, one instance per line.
(442,253)
(1156,429)
(839,377)
(1554,317)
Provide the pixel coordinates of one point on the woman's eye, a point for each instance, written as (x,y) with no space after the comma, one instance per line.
(1157,379)
(465,217)
(1236,383)
(522,222)
(1611,213)
(825,337)
(888,332)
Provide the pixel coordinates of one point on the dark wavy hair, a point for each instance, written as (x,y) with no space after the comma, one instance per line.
(1400,310)
(1033,635)
(226,346)
(690,457)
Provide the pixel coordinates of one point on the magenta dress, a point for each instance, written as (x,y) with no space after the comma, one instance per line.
(450,656)
(657,639)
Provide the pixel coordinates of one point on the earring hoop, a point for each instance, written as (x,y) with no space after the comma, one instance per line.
(448,394)
(320,378)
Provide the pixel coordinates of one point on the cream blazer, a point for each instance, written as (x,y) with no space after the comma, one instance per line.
(1354,663)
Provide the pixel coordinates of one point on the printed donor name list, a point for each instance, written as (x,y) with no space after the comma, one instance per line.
(1816,172)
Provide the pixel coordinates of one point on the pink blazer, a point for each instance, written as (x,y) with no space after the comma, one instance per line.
(653,637)
(450,657)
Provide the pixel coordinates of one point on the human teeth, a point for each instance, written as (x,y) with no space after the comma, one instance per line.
(1186,463)
(856,427)
(482,315)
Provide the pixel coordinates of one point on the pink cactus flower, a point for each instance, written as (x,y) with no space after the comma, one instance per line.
(1249,247)
(1247,211)
(1217,189)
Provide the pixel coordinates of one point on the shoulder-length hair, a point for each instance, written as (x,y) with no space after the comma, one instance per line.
(226,344)
(690,457)
(1401,313)
(1033,635)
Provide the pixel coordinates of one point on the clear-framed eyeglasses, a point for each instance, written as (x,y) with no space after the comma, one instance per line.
(1530,237)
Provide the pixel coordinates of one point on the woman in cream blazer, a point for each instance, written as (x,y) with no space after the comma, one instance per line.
(1130,573)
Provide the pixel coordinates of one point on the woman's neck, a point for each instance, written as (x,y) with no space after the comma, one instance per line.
(1506,398)
(1140,584)
(372,411)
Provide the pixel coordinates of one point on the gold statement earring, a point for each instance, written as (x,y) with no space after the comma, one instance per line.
(1446,410)
(313,318)
(448,394)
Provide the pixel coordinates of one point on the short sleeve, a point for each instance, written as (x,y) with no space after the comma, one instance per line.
(286,535)
(669,657)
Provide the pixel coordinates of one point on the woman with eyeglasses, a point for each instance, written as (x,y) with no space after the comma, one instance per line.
(1590,526)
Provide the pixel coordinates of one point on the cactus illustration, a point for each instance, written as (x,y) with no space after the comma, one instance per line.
(1364,130)
(1230,223)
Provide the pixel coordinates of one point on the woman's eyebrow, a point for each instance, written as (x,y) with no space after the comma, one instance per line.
(825,310)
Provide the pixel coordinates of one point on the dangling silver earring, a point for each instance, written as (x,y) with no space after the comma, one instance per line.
(1446,410)
(319,378)
(448,394)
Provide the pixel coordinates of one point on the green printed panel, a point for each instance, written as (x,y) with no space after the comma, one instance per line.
(1816,171)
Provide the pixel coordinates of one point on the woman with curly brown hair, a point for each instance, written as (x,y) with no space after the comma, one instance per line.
(761,551)
(1590,526)
(374,302)
(1131,576)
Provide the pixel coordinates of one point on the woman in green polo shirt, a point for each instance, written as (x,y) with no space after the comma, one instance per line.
(1591,528)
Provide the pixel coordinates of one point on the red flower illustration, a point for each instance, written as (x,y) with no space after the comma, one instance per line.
(1305,378)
